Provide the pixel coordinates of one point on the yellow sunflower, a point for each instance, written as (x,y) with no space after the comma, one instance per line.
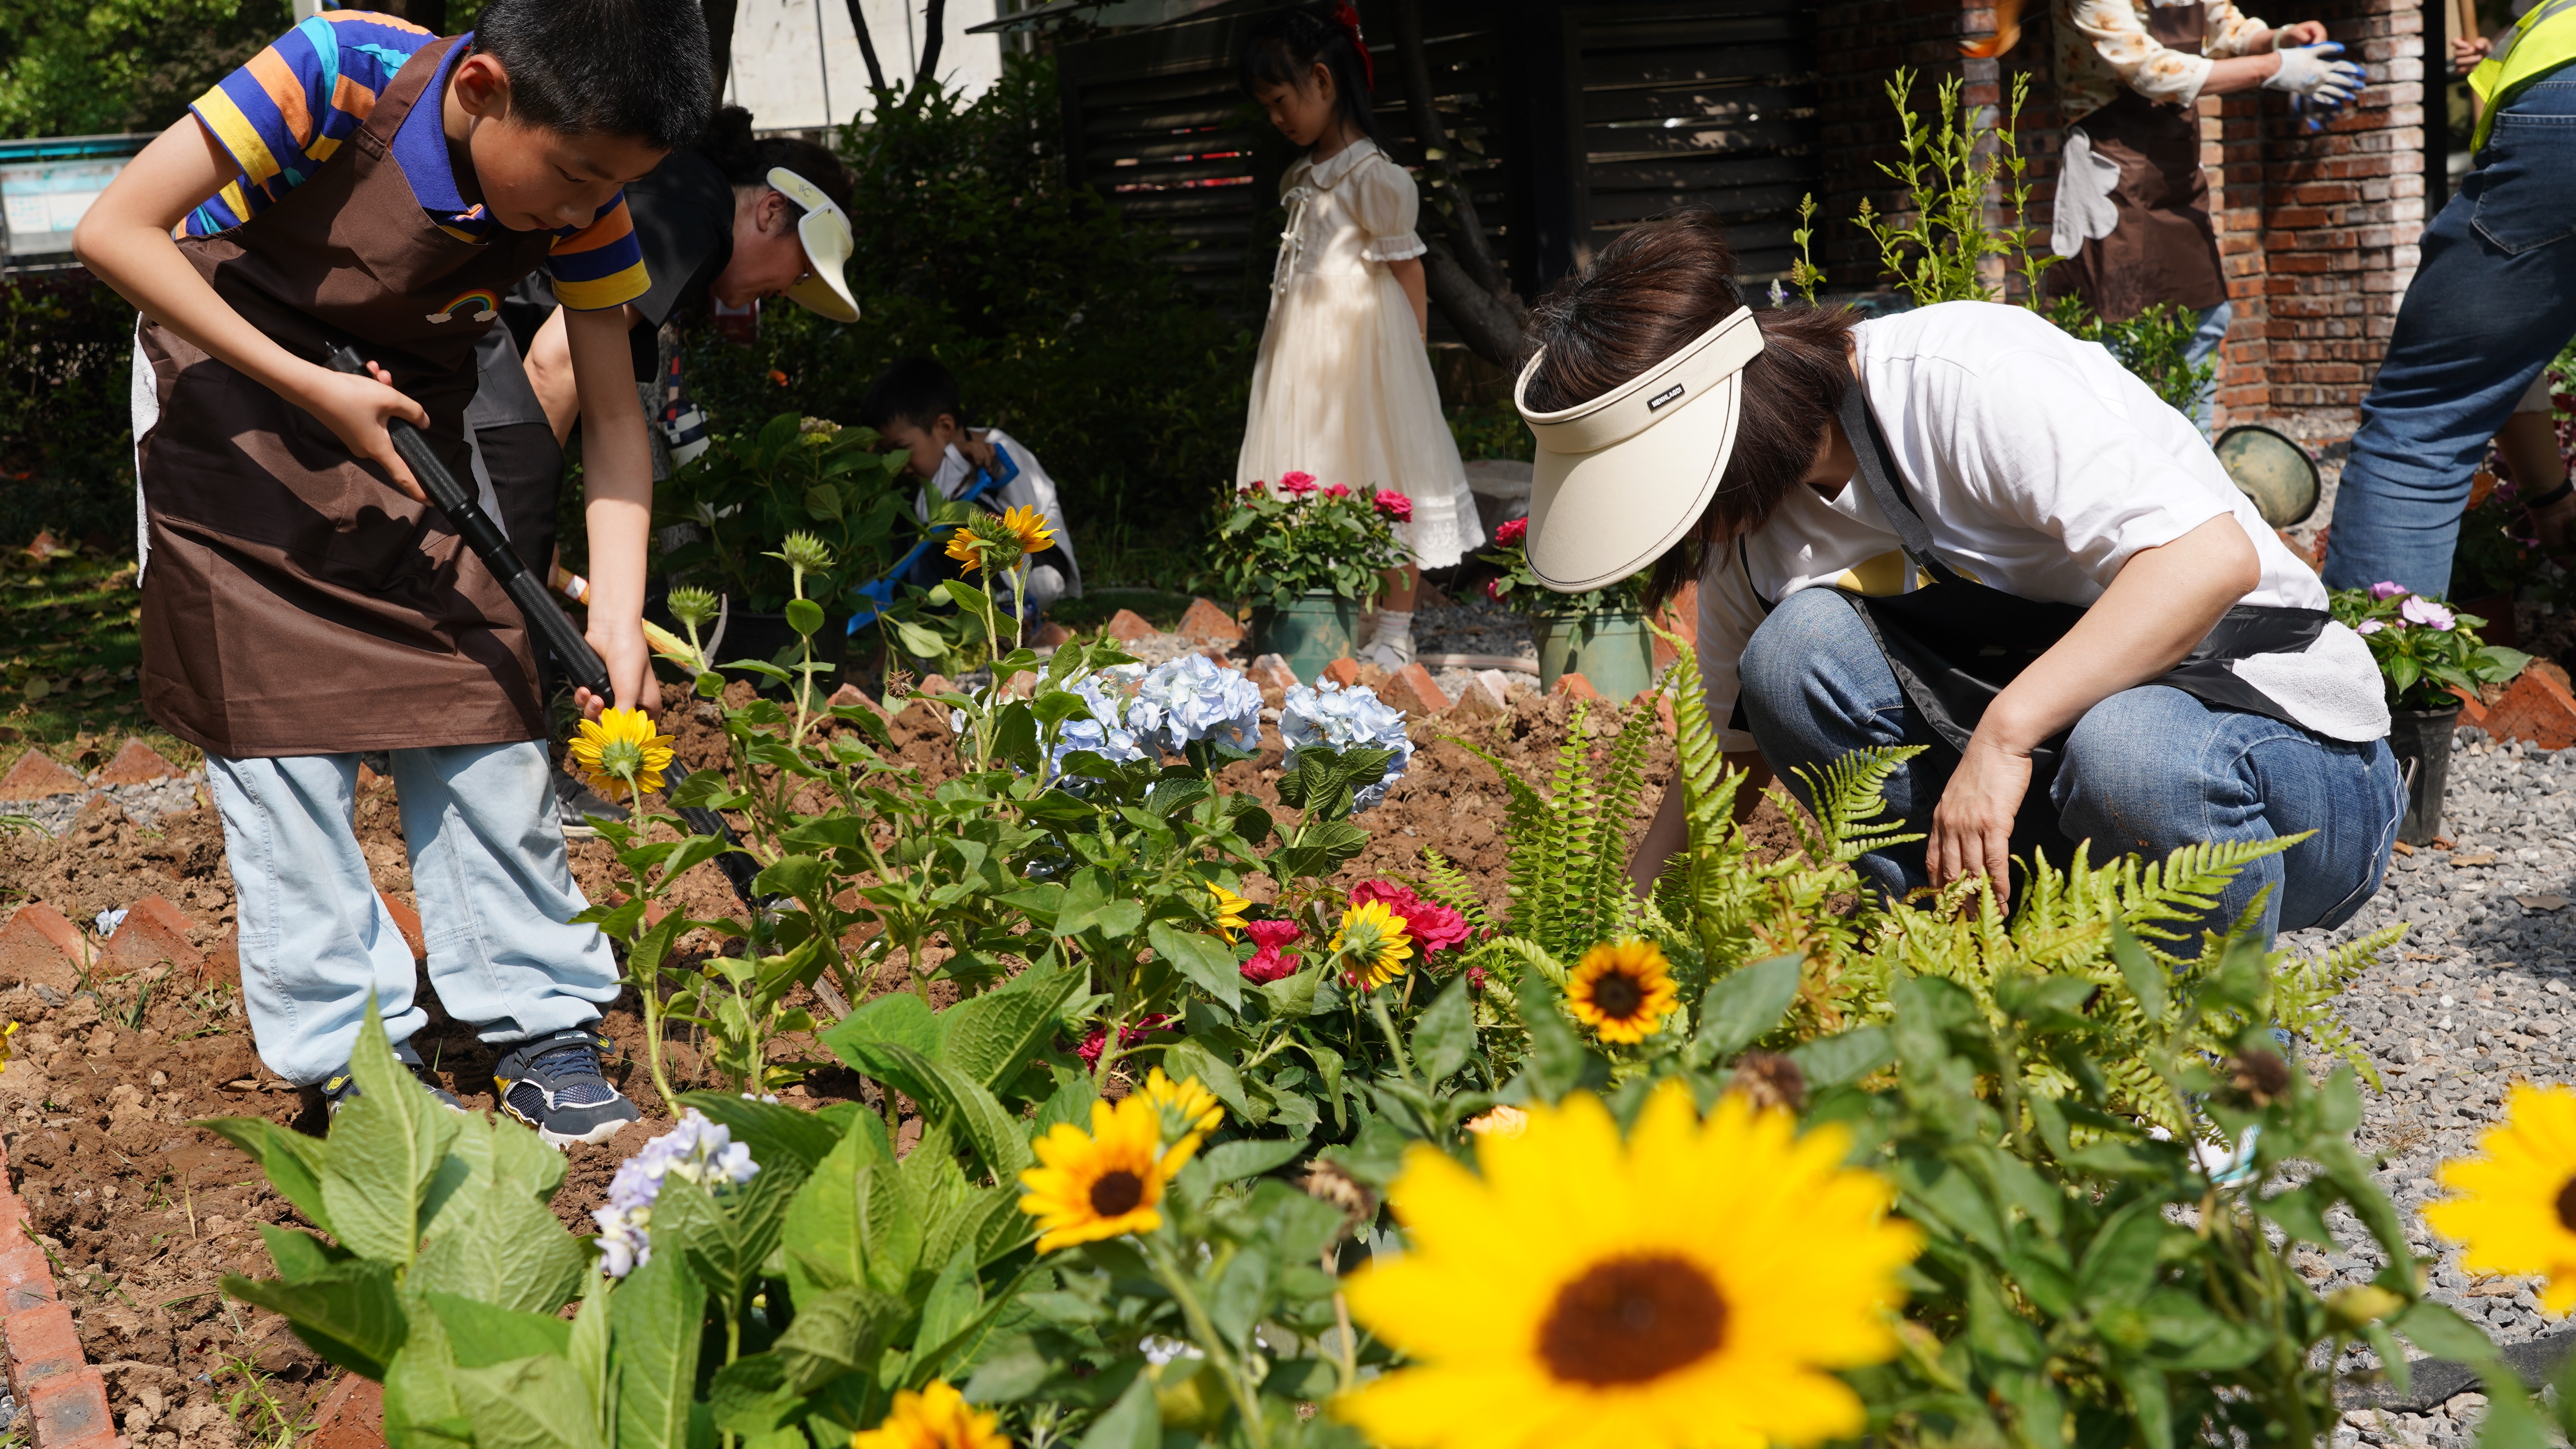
(2519,1215)
(1689,1289)
(1623,990)
(618,743)
(936,1418)
(1030,528)
(1229,909)
(1001,540)
(1374,944)
(1188,1108)
(1103,1183)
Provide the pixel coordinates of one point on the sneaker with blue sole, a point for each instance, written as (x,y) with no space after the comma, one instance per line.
(554,1084)
(342,1085)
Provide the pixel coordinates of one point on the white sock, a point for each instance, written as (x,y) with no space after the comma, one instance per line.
(1391,625)
(1392,645)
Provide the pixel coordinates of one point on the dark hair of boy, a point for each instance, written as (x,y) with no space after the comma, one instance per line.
(623,67)
(1284,49)
(746,159)
(1649,292)
(915,390)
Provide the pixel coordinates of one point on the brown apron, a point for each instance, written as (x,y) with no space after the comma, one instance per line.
(2162,248)
(294,603)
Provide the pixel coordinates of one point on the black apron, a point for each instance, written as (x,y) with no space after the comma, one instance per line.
(1954,643)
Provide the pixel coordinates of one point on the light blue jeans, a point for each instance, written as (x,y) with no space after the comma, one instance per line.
(2493,300)
(2207,334)
(2146,771)
(487,865)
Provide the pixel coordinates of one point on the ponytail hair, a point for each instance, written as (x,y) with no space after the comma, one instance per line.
(746,159)
(1284,49)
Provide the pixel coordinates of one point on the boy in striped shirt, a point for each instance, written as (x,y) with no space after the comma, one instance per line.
(362,181)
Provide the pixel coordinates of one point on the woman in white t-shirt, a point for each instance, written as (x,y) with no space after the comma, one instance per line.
(1961,528)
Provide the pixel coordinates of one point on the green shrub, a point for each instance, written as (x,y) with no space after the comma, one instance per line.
(66,425)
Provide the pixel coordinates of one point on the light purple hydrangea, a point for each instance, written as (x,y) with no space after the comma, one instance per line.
(698,1150)
(1343,719)
(1103,727)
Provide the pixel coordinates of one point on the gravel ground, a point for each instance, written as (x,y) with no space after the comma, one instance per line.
(2475,997)
(1473,625)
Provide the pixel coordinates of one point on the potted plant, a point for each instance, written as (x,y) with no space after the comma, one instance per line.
(2430,657)
(740,502)
(1307,558)
(1600,633)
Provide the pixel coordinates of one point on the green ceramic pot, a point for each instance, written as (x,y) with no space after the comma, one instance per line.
(1312,631)
(1612,650)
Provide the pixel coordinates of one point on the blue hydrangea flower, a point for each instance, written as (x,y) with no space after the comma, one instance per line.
(1342,719)
(1105,727)
(1191,698)
(698,1150)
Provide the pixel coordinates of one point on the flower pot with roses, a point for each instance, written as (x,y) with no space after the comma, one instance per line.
(1599,633)
(1307,557)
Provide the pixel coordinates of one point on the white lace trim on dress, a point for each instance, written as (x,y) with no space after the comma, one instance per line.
(1396,248)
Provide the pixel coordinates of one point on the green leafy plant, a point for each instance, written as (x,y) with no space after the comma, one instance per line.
(807,476)
(1515,586)
(2152,345)
(1938,249)
(1275,541)
(2425,649)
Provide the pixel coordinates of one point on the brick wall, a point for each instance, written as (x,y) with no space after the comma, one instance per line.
(2317,232)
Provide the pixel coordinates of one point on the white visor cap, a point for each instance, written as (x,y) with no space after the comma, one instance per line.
(1623,477)
(824,230)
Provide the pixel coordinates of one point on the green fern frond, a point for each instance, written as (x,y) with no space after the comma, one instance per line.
(1448,886)
(1513,952)
(1850,796)
(2304,990)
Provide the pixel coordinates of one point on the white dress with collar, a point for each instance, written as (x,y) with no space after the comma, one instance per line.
(1343,387)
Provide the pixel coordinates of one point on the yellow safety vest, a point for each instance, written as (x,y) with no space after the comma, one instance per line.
(2543,41)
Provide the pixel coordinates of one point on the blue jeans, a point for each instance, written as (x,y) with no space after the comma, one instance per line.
(487,864)
(2493,300)
(2207,333)
(2146,771)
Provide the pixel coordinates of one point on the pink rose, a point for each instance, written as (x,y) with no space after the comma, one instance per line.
(1511,531)
(1271,964)
(2386,590)
(1494,589)
(1337,490)
(1255,486)
(1297,485)
(1271,935)
(1395,505)
(1095,1043)
(1433,927)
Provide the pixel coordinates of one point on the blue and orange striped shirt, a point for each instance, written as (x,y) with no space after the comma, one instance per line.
(284,114)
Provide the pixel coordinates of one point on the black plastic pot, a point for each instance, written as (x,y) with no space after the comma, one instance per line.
(2421,741)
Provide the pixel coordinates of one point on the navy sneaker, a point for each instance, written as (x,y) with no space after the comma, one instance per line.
(341,1085)
(554,1085)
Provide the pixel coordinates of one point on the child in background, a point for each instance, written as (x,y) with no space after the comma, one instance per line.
(1343,388)
(301,601)
(915,406)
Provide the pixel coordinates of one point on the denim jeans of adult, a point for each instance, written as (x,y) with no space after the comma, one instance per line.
(2146,771)
(2494,298)
(487,865)
(2208,331)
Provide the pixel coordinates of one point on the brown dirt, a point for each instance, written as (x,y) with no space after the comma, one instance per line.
(143,1214)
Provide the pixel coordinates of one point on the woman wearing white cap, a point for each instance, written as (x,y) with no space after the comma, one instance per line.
(1958,528)
(735,218)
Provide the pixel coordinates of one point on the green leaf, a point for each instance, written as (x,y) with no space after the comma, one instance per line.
(2443,1333)
(1203,959)
(1745,1004)
(482,1334)
(292,1160)
(1833,1060)
(300,1256)
(654,1319)
(2149,982)
(1234,1161)
(1134,1422)
(507,1250)
(530,1403)
(348,1312)
(991,1037)
(899,1017)
(1188,1058)
(386,1145)
(2120,1262)
(956,1100)
(954,1300)
(1444,1036)
(2299,1214)
(805,617)
(840,1332)
(1557,1061)
(823,503)
(774,1132)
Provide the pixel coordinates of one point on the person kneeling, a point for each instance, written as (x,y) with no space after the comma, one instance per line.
(1962,529)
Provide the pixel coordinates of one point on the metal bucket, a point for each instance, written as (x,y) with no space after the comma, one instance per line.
(1312,631)
(1612,650)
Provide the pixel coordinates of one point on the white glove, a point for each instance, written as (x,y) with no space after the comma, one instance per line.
(2312,71)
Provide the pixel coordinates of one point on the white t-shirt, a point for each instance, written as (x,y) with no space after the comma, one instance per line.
(2041,465)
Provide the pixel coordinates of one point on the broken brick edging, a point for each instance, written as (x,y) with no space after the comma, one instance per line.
(62,1399)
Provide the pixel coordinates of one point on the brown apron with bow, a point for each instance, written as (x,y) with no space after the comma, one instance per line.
(2162,247)
(293,602)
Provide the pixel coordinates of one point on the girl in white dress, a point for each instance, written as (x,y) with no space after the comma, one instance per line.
(1343,387)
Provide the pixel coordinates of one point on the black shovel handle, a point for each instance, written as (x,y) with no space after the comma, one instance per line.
(492,546)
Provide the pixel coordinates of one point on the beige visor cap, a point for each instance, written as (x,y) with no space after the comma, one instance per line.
(824,231)
(1623,477)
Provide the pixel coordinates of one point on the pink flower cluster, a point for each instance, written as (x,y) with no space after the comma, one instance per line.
(1271,962)
(1431,927)
(1511,531)
(1297,485)
(1094,1044)
(1395,505)
(1337,490)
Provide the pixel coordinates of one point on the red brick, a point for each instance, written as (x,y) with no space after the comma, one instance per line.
(1680,616)
(136,764)
(70,1412)
(852,695)
(1413,690)
(407,921)
(153,931)
(36,777)
(43,948)
(43,1342)
(352,1417)
(223,963)
(1344,671)
(26,1279)
(1205,623)
(1575,686)
(1127,626)
(2536,708)
(1272,672)
(1053,635)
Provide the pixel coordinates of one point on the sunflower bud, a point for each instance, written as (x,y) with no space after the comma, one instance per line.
(692,606)
(2259,1077)
(1769,1080)
(804,551)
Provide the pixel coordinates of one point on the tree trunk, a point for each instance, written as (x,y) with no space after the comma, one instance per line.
(719,40)
(934,20)
(867,48)
(1475,293)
